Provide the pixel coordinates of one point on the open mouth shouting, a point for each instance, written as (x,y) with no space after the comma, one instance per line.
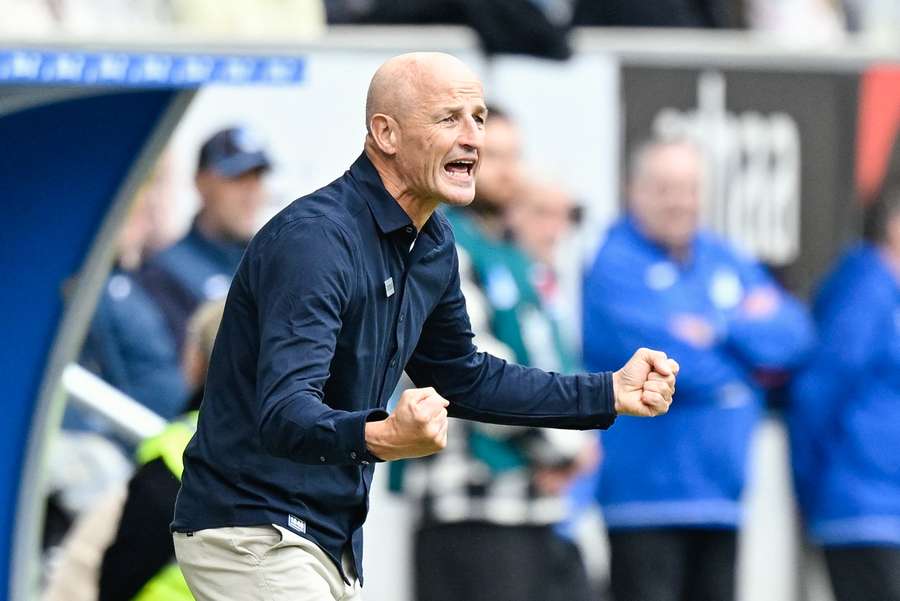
(460,170)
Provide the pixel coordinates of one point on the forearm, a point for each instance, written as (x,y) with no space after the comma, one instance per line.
(488,389)
(782,342)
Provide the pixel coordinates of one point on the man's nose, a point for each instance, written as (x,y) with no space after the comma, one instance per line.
(471,136)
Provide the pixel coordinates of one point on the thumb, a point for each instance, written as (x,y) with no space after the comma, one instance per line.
(657,360)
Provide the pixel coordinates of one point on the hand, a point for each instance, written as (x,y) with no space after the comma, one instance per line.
(645,385)
(554,480)
(693,329)
(416,428)
(760,303)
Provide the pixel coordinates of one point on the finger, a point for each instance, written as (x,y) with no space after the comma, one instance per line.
(674,366)
(415,395)
(424,393)
(434,396)
(655,377)
(444,432)
(436,426)
(655,401)
(431,409)
(660,384)
(657,360)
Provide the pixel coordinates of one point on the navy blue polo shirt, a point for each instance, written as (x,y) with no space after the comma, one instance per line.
(328,307)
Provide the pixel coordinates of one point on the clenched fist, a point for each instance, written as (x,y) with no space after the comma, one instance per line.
(416,428)
(645,385)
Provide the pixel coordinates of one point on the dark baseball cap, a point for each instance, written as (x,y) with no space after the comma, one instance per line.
(233,152)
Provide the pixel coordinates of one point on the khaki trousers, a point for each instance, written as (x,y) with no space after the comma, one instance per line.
(261,563)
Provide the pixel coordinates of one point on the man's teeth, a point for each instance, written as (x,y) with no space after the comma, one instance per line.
(460,166)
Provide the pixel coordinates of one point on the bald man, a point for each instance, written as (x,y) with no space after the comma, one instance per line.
(334,298)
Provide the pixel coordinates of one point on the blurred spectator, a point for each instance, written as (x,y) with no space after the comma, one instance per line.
(535,27)
(259,18)
(129,343)
(199,267)
(141,545)
(879,20)
(845,416)
(252,18)
(538,223)
(657,13)
(74,572)
(670,490)
(798,21)
(497,491)
(140,562)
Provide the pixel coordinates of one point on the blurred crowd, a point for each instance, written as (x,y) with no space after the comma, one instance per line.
(669,489)
(536,27)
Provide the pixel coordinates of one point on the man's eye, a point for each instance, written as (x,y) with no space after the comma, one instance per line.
(449,119)
(479,120)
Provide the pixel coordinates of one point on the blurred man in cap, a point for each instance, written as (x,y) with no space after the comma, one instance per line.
(199,267)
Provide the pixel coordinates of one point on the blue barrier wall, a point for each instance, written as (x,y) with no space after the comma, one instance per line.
(56,185)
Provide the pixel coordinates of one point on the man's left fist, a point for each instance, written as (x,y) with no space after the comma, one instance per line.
(645,385)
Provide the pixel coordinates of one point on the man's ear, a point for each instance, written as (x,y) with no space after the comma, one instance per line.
(385,132)
(203,183)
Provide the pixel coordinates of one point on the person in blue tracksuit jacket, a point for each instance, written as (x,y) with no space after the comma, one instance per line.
(670,490)
(128,343)
(199,267)
(845,415)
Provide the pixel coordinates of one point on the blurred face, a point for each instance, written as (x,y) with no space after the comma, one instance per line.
(501,165)
(541,220)
(441,137)
(135,231)
(231,205)
(665,194)
(892,233)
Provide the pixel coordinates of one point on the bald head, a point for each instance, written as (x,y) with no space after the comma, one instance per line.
(399,83)
(425,121)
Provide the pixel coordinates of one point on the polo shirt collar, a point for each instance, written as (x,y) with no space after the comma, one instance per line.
(388,213)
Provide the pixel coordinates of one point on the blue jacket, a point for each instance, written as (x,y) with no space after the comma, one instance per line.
(329,306)
(130,346)
(688,467)
(845,413)
(192,271)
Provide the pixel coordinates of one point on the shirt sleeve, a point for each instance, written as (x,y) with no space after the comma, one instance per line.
(304,279)
(483,388)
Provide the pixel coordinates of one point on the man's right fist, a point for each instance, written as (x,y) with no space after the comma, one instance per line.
(416,428)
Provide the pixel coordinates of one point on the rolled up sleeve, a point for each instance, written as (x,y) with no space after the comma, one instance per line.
(305,278)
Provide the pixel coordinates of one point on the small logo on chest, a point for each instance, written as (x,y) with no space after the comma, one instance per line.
(389,287)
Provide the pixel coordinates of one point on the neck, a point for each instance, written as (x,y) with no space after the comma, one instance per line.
(418,209)
(207,226)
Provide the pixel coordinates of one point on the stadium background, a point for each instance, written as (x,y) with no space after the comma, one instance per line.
(805,130)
